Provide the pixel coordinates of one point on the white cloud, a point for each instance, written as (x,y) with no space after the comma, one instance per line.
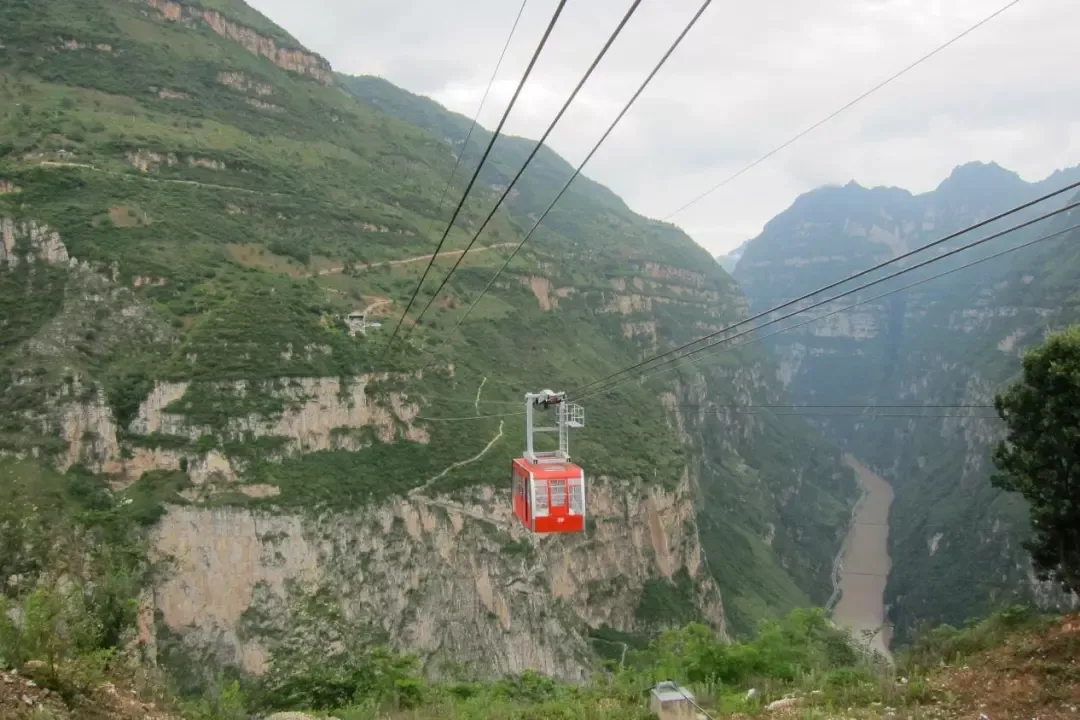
(746,79)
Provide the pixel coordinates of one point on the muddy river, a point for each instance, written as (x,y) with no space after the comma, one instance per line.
(864,563)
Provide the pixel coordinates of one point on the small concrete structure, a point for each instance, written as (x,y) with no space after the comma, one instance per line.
(671,702)
(358,323)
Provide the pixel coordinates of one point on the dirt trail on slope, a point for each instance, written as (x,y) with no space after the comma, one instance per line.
(418,258)
(498,436)
(146,178)
(864,562)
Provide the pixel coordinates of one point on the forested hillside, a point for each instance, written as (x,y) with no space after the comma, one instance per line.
(939,350)
(191,205)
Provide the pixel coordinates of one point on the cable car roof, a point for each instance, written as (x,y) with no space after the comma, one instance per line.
(550,471)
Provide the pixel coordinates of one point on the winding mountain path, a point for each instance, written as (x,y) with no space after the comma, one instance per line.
(417,258)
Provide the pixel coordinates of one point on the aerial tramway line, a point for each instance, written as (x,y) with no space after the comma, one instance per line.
(548,491)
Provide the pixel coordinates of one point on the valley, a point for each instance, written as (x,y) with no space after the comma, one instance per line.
(924,364)
(223,492)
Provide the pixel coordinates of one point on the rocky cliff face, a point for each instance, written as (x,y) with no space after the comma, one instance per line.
(175,328)
(287,58)
(459,583)
(944,347)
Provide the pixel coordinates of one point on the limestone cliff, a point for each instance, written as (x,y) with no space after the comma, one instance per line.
(939,350)
(459,583)
(287,58)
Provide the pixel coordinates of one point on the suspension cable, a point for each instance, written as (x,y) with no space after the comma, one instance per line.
(573,177)
(846,107)
(728,348)
(476,117)
(476,173)
(861,273)
(539,144)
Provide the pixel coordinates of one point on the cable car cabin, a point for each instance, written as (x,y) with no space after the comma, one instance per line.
(548,489)
(549,497)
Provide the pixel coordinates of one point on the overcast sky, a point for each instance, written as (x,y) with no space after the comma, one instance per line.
(750,75)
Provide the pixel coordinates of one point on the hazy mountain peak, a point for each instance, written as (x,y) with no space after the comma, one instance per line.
(980,177)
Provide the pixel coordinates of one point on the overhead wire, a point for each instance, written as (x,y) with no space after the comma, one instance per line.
(576,173)
(690,699)
(465,401)
(476,173)
(842,109)
(756,162)
(470,417)
(864,415)
(847,308)
(476,117)
(962,248)
(804,323)
(842,407)
(539,144)
(830,286)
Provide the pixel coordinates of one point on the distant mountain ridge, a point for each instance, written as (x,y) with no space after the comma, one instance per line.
(731,259)
(955,541)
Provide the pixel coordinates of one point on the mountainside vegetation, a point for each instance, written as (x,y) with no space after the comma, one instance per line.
(799,666)
(1038,457)
(938,351)
(191,206)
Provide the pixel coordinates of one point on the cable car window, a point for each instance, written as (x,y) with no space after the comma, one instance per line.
(558,493)
(540,497)
(577,498)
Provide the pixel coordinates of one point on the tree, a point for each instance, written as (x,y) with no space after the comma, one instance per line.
(1040,457)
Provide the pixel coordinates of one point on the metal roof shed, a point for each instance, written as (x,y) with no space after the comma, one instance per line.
(671,702)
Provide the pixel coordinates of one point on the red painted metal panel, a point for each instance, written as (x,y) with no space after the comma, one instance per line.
(557,481)
(560,523)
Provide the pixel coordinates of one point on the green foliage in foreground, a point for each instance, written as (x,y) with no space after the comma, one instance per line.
(801,654)
(1040,458)
(361,683)
(946,644)
(71,633)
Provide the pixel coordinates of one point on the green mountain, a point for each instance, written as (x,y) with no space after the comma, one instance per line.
(192,205)
(942,346)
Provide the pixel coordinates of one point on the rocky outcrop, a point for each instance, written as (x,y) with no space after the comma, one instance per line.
(145,160)
(292,59)
(29,240)
(444,579)
(318,416)
(263,105)
(316,411)
(244,83)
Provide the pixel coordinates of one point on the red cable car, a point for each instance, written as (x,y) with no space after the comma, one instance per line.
(548,489)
